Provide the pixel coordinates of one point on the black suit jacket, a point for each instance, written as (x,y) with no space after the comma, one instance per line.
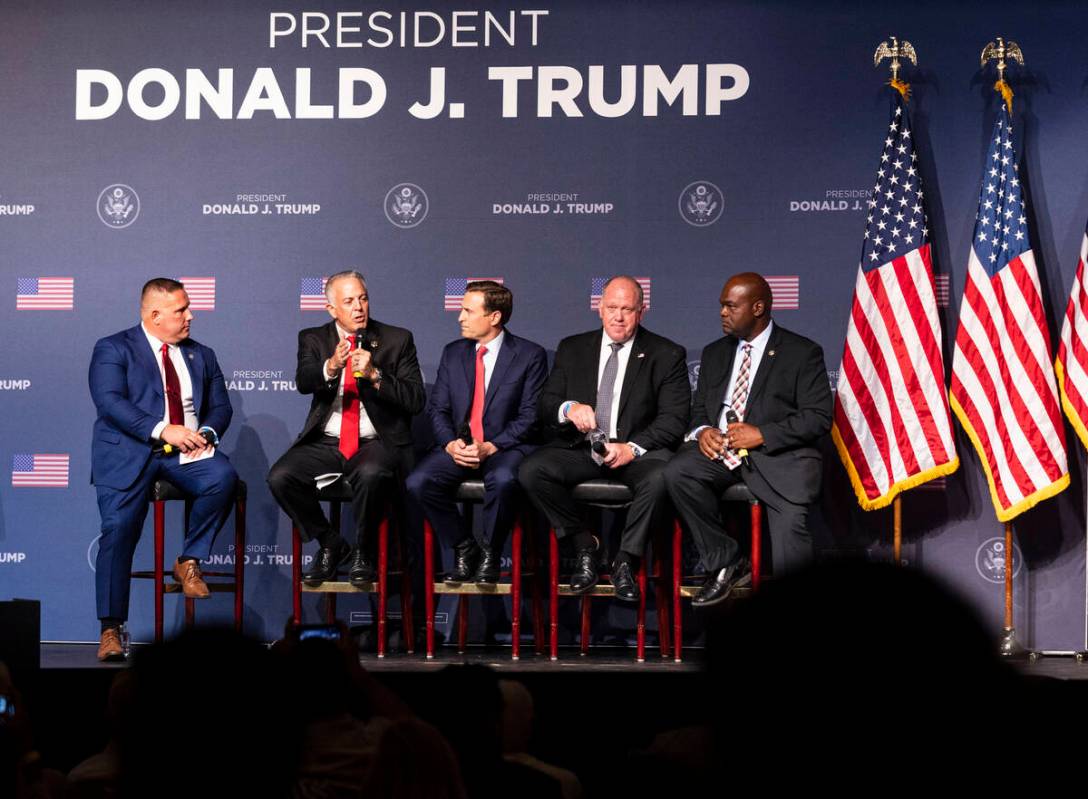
(654,397)
(790,402)
(390,407)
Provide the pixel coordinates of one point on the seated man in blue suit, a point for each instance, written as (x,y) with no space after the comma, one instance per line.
(483,410)
(161,399)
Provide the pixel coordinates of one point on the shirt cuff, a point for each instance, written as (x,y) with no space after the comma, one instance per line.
(694,434)
(639,451)
(566,406)
(156,431)
(325,370)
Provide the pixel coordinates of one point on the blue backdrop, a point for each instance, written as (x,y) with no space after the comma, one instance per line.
(115,170)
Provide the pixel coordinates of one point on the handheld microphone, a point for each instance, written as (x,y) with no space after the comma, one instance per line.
(464,432)
(731,418)
(358,345)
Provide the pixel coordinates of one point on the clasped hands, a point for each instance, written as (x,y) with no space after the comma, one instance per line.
(739,435)
(188,441)
(584,418)
(470,455)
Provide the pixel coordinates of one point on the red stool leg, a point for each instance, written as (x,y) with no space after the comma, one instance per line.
(462,623)
(330,608)
(407,622)
(553,593)
(661,602)
(296,573)
(757,541)
(334,521)
(515,592)
(585,624)
(640,630)
(239,561)
(383,582)
(160,529)
(428,584)
(538,605)
(190,611)
(677,578)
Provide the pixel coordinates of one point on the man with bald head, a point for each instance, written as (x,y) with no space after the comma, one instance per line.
(366,386)
(162,406)
(630,385)
(775,383)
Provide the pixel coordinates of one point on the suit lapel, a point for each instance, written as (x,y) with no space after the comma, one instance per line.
(634,365)
(194,362)
(715,394)
(507,355)
(147,360)
(766,365)
(468,363)
(593,364)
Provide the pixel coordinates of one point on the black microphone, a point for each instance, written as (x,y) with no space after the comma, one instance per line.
(464,432)
(359,338)
(597,439)
(731,418)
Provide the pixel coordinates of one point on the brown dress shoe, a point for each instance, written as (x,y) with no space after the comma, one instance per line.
(187,573)
(109,645)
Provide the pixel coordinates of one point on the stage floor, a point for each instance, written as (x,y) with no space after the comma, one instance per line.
(599,659)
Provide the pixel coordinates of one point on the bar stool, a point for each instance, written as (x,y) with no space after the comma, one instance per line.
(164,491)
(471,492)
(738,492)
(607,495)
(336,494)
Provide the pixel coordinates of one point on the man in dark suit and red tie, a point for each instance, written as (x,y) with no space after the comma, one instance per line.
(488,381)
(366,385)
(162,406)
(630,387)
(776,383)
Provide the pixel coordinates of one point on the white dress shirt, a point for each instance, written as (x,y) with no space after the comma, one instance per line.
(759,346)
(332,426)
(177,357)
(623,355)
(491,357)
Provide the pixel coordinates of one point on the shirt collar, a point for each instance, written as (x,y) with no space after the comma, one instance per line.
(607,342)
(759,343)
(494,345)
(155,343)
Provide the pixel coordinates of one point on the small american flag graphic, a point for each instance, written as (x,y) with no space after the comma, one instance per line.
(455,290)
(311,294)
(39,471)
(201,292)
(596,289)
(941,284)
(785,291)
(45,294)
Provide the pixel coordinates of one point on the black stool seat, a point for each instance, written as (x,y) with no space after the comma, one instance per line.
(165,491)
(739,492)
(470,491)
(603,493)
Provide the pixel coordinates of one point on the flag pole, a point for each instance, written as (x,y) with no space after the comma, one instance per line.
(897,529)
(1009,646)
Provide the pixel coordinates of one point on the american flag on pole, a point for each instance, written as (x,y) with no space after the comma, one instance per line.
(1071,365)
(1003,389)
(45,294)
(201,291)
(39,471)
(311,294)
(455,290)
(892,426)
(785,292)
(596,289)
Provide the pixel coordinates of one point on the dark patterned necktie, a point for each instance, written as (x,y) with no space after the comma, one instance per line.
(607,388)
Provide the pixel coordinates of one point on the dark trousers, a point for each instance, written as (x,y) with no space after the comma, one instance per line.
(549,474)
(211,485)
(695,483)
(373,474)
(433,485)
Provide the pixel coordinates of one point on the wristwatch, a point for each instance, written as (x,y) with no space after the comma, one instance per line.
(635,451)
(376,376)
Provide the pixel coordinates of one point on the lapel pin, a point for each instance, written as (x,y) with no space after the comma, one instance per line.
(190,356)
(771,353)
(640,355)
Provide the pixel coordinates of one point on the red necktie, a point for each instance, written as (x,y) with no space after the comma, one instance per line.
(476,415)
(173,388)
(349,415)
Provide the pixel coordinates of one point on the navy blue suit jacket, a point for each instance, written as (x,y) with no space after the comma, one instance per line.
(126,387)
(510,402)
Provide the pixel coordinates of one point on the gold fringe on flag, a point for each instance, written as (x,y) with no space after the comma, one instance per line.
(1006,93)
(902,87)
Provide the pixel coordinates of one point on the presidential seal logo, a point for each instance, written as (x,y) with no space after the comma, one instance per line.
(406,205)
(693,374)
(990,560)
(700,203)
(118,206)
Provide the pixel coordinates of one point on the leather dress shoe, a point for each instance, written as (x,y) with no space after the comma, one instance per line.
(490,567)
(326,562)
(109,645)
(720,585)
(585,575)
(465,556)
(623,582)
(187,573)
(362,570)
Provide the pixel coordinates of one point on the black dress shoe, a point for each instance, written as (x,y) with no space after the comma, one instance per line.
(490,567)
(465,556)
(584,576)
(362,570)
(326,562)
(623,581)
(720,585)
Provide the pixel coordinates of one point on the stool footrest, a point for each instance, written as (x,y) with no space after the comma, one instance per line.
(473,589)
(601,589)
(688,591)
